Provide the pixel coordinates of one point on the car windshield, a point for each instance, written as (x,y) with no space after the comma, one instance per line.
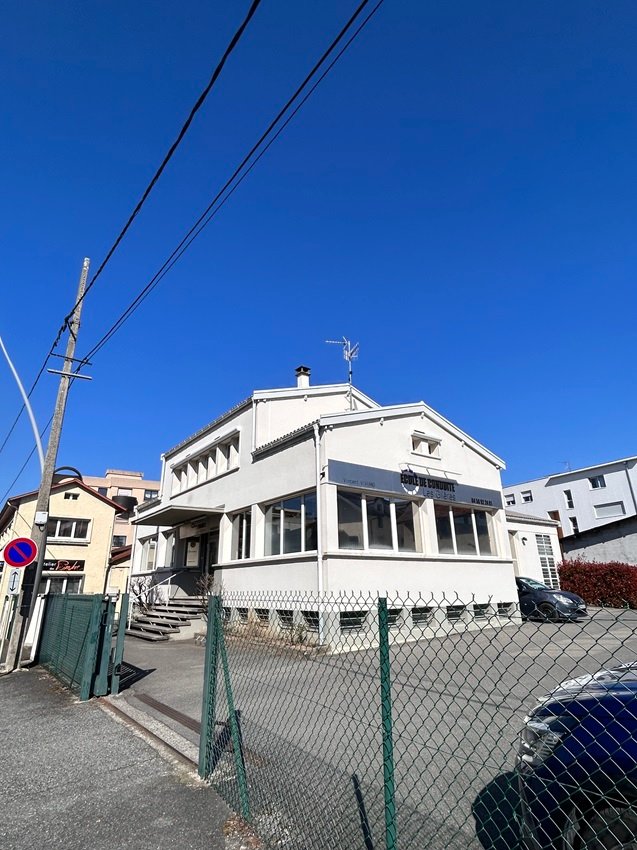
(533,584)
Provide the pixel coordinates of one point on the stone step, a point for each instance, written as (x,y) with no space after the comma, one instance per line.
(140,625)
(145,635)
(151,623)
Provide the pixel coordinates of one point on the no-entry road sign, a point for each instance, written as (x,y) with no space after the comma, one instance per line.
(20,552)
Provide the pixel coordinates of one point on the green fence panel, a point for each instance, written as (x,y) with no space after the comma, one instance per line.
(118,652)
(69,639)
(103,659)
(209,702)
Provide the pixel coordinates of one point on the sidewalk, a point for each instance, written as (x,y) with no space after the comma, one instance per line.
(74,777)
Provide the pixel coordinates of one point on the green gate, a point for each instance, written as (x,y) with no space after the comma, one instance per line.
(76,642)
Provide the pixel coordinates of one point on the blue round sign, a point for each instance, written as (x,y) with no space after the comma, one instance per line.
(20,552)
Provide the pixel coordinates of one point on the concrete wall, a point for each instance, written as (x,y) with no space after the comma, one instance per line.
(615,543)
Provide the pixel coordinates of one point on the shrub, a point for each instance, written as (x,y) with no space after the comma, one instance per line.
(613,584)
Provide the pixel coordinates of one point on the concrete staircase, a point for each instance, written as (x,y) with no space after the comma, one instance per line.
(178,619)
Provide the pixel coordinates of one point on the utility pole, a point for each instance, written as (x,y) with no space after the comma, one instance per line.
(33,574)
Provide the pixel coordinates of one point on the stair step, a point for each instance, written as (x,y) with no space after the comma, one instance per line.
(178,612)
(140,625)
(145,635)
(152,623)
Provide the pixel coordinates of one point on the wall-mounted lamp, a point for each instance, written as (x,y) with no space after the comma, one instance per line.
(524,539)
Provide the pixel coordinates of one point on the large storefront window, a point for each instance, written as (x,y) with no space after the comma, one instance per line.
(376,522)
(463,530)
(290,525)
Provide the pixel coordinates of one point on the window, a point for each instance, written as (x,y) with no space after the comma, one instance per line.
(124,491)
(568,498)
(220,458)
(311,619)
(376,522)
(242,613)
(547,560)
(506,609)
(67,529)
(73,497)
(150,494)
(286,617)
(393,617)
(241,529)
(480,612)
(149,551)
(103,491)
(352,621)
(423,445)
(610,509)
(263,615)
(455,612)
(421,615)
(119,540)
(290,525)
(574,524)
(509,500)
(597,482)
(463,530)
(527,496)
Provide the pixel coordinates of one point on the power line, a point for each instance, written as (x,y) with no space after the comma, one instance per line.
(220,199)
(198,104)
(24,465)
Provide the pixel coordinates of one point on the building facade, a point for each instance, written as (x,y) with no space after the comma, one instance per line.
(615,541)
(128,489)
(580,499)
(79,535)
(319,489)
(535,547)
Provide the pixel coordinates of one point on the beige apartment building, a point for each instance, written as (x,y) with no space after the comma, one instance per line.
(127,489)
(79,535)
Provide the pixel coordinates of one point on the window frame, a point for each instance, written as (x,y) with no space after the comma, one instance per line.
(393,500)
(568,498)
(423,445)
(597,482)
(56,538)
(219,458)
(282,527)
(476,537)
(509,500)
(523,496)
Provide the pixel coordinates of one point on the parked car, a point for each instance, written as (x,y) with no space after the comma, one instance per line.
(577,765)
(537,601)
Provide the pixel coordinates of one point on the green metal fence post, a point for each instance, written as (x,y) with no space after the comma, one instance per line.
(209,702)
(90,653)
(386,720)
(100,686)
(234,729)
(119,644)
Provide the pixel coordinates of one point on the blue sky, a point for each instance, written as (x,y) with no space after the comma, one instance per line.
(458,196)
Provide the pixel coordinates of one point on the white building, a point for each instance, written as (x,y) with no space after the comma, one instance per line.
(535,547)
(319,489)
(580,499)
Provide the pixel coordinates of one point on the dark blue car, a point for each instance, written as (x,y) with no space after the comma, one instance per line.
(577,765)
(539,602)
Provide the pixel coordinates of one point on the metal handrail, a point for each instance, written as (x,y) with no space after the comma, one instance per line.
(159,583)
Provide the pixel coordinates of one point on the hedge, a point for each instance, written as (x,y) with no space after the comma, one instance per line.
(613,583)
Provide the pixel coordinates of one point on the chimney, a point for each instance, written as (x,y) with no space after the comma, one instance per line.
(302,377)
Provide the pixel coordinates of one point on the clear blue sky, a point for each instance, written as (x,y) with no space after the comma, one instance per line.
(458,195)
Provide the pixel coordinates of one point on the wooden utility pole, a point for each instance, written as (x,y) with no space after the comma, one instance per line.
(33,573)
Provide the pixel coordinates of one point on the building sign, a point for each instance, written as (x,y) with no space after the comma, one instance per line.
(192,553)
(407,482)
(66,565)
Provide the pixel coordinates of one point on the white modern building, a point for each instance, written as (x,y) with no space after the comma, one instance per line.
(579,499)
(319,489)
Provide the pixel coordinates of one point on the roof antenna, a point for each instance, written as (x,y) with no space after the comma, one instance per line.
(350,353)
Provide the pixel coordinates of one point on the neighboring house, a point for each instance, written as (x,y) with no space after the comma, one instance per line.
(128,489)
(535,547)
(319,488)
(579,499)
(80,531)
(614,541)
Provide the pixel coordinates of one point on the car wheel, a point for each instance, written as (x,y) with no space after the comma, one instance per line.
(607,827)
(547,612)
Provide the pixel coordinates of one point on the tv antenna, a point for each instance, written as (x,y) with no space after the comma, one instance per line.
(350,353)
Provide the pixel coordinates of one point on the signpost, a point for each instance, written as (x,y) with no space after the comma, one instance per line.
(20,552)
(15,581)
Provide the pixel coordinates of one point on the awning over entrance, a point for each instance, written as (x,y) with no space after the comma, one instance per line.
(174,514)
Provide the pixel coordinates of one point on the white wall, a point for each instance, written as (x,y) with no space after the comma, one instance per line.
(525,548)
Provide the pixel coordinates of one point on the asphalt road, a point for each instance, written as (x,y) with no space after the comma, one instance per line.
(311,721)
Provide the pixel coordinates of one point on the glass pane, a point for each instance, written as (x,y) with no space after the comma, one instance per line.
(273,530)
(378,523)
(443,530)
(484,536)
(292,525)
(51,528)
(73,585)
(405,526)
(465,541)
(57,585)
(81,529)
(244,535)
(350,521)
(65,528)
(311,539)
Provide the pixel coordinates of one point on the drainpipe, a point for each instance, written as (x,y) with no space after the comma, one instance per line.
(319,530)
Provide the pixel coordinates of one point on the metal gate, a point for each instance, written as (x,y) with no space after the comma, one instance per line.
(76,642)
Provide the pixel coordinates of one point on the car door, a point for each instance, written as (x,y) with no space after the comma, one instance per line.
(525,595)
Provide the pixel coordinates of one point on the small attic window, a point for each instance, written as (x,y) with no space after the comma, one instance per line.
(72,496)
(423,445)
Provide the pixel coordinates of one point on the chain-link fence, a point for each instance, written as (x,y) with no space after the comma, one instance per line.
(364,722)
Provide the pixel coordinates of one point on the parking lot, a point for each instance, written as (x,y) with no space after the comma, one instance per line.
(311,721)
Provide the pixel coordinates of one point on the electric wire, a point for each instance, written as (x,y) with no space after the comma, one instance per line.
(228,188)
(24,465)
(198,104)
